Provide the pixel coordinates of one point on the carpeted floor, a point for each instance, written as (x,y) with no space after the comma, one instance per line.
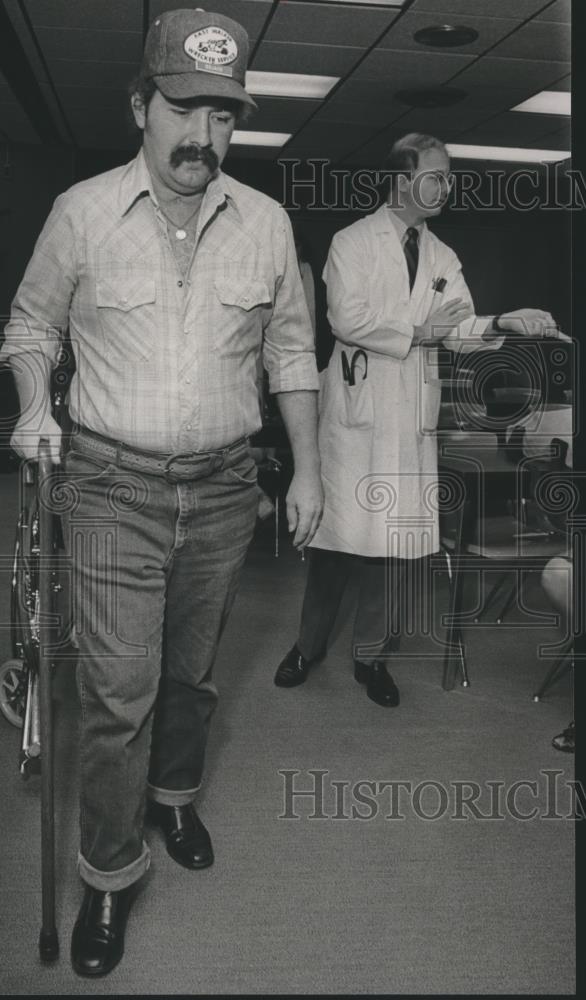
(395,903)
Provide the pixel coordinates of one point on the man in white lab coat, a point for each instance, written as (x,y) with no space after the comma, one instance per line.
(394,292)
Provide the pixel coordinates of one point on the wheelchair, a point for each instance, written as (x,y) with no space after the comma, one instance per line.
(40,626)
(38,549)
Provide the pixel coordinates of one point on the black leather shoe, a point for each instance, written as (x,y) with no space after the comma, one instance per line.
(188,841)
(97,942)
(566,741)
(293,670)
(380,686)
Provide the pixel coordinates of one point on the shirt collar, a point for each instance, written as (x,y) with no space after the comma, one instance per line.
(137,182)
(401,227)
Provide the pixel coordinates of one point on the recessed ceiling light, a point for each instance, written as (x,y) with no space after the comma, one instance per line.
(244,137)
(288,84)
(548,102)
(446,35)
(510,153)
(439,97)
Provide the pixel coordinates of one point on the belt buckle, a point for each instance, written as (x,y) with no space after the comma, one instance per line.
(173,476)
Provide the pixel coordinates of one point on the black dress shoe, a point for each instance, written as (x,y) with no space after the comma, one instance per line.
(97,942)
(188,841)
(566,741)
(293,670)
(380,686)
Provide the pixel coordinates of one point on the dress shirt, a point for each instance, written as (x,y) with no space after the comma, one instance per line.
(166,361)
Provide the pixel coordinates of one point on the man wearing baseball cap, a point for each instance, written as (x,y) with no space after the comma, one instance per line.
(173,280)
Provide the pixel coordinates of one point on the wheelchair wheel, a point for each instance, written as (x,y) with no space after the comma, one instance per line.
(13,691)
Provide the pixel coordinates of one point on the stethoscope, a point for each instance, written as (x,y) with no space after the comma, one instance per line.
(349,367)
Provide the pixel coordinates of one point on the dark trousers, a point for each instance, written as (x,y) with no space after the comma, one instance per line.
(377,625)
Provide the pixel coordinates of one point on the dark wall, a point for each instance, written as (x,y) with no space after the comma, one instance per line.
(31,177)
(510,259)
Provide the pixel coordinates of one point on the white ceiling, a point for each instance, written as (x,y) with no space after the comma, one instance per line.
(81,54)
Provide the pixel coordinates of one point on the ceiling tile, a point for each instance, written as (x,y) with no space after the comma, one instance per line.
(251,14)
(327,140)
(379,112)
(445,123)
(117,76)
(537,41)
(281,114)
(326,60)
(486,8)
(236,153)
(93,98)
(560,139)
(564,84)
(399,69)
(513,129)
(490,31)
(491,70)
(331,133)
(103,46)
(86,14)
(560,11)
(374,153)
(311,23)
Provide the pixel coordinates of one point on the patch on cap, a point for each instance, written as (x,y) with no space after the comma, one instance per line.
(211,48)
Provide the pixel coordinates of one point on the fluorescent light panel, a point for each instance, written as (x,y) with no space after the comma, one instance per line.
(288,84)
(465,152)
(368,3)
(548,102)
(244,137)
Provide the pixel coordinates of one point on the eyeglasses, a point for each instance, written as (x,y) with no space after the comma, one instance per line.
(446,180)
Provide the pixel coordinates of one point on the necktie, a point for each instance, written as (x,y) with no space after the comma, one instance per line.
(411,250)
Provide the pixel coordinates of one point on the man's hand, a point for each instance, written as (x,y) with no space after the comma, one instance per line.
(305,502)
(531,323)
(442,320)
(26,437)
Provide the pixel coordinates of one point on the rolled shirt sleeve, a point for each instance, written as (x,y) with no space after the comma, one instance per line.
(356,319)
(288,343)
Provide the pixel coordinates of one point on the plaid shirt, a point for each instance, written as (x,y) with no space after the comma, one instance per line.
(165,362)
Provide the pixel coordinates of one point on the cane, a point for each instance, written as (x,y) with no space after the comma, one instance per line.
(48,939)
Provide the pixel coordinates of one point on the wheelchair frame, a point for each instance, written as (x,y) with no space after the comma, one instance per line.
(27,702)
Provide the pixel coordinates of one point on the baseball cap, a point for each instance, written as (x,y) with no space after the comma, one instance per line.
(193,53)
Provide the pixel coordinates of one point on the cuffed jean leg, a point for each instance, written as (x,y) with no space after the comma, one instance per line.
(215,526)
(119,533)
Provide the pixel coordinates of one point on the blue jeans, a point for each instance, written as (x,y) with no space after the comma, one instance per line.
(155,568)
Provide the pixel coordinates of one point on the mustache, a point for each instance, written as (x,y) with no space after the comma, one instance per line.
(193,153)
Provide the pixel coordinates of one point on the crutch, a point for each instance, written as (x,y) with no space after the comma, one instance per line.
(48,939)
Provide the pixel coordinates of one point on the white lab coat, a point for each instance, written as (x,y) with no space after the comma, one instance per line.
(377,439)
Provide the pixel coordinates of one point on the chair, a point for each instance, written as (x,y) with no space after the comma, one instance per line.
(518,537)
(560,595)
(533,522)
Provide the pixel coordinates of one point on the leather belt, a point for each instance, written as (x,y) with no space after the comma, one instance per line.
(181,467)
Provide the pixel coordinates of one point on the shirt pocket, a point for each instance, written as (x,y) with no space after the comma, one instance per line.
(241,302)
(126,305)
(243,293)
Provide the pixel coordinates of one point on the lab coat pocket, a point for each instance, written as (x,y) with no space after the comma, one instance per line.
(357,405)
